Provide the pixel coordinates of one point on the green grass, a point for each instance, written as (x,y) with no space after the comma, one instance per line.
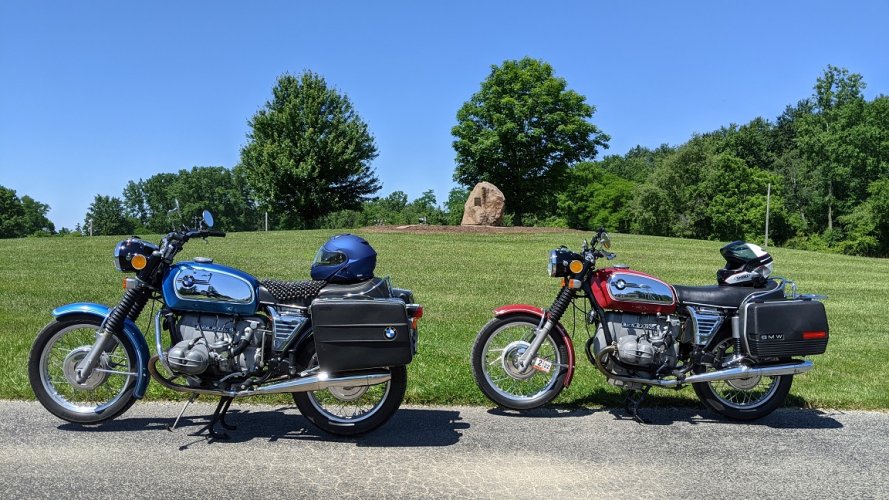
(460,278)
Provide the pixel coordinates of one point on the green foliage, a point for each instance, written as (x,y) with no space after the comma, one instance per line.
(638,163)
(220,190)
(308,153)
(22,217)
(522,131)
(455,206)
(595,197)
(107,216)
(395,209)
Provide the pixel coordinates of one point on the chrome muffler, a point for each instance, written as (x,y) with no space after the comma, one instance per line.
(740,372)
(305,384)
(747,372)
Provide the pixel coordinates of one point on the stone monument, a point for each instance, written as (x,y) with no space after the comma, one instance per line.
(484,207)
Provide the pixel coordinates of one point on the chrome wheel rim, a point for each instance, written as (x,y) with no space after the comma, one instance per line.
(348,405)
(500,363)
(744,393)
(103,388)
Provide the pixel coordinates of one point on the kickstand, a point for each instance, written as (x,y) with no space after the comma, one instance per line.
(191,399)
(634,400)
(219,416)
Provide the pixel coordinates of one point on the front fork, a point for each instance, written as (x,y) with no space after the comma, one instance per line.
(549,320)
(88,364)
(130,306)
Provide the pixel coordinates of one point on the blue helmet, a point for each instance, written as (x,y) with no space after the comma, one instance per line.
(344,258)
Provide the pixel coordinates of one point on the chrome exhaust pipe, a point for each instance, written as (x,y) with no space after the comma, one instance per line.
(747,372)
(318,382)
(726,374)
(305,384)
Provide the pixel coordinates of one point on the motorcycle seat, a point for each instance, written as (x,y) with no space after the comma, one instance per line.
(373,288)
(289,292)
(724,296)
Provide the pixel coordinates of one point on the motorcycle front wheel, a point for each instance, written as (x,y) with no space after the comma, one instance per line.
(350,411)
(495,358)
(743,399)
(52,365)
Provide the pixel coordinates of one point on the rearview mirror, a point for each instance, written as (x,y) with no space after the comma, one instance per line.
(208,218)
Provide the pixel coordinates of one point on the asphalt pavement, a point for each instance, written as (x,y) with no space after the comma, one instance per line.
(446,452)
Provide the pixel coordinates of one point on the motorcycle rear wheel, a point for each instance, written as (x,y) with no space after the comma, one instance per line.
(350,411)
(58,348)
(743,399)
(495,353)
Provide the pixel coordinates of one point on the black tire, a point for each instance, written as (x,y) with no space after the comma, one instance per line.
(743,399)
(312,404)
(510,392)
(66,399)
(757,409)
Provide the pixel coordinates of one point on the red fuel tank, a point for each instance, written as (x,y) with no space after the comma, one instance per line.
(626,290)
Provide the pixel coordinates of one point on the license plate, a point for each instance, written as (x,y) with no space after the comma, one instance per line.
(542,365)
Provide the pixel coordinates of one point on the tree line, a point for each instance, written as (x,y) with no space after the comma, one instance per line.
(307,164)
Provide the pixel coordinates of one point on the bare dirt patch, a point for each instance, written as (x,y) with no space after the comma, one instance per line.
(429,228)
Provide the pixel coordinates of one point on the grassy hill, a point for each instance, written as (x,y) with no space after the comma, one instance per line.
(460,278)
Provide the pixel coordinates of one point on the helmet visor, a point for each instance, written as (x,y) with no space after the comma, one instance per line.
(326,257)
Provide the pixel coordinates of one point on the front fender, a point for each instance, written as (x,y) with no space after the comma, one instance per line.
(131,332)
(504,311)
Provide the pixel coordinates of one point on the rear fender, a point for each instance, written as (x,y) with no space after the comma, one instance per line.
(515,309)
(130,331)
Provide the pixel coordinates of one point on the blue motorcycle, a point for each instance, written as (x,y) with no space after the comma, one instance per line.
(339,343)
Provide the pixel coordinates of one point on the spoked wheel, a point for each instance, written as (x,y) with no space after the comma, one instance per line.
(743,399)
(495,367)
(349,411)
(52,370)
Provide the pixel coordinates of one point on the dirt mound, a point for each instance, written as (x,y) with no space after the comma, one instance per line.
(428,228)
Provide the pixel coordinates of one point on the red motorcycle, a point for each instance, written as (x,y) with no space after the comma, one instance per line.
(736,343)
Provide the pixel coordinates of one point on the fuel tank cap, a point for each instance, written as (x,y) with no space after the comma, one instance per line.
(203,260)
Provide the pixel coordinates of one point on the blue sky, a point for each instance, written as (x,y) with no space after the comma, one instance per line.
(94,94)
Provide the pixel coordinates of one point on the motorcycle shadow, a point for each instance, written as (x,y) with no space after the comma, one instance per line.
(409,427)
(782,418)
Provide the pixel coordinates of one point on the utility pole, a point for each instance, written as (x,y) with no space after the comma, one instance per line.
(768,203)
(266,220)
(91,227)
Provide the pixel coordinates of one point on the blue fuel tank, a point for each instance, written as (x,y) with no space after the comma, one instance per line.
(210,288)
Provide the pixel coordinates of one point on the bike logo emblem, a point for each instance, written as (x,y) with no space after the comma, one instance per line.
(390,333)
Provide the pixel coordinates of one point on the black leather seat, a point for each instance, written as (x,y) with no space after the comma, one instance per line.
(299,293)
(724,296)
(375,287)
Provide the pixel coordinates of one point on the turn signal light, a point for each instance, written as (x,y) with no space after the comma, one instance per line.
(575,266)
(139,261)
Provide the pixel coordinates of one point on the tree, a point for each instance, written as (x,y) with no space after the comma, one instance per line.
(217,189)
(522,131)
(595,198)
(22,217)
(108,217)
(308,153)
(455,205)
(11,214)
(838,105)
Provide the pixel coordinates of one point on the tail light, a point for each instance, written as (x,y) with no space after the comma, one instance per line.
(414,312)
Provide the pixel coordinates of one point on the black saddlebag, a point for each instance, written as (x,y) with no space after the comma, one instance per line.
(785,328)
(355,334)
